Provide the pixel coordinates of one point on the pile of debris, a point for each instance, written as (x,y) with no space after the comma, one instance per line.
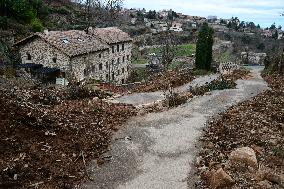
(226,81)
(163,81)
(50,144)
(241,73)
(244,147)
(217,84)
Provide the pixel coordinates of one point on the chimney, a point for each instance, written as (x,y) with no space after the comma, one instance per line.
(45,31)
(89,30)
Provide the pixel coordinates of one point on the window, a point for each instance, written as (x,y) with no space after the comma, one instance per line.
(112,49)
(123,59)
(112,63)
(29,57)
(118,72)
(100,66)
(122,47)
(54,59)
(85,72)
(112,75)
(106,65)
(117,47)
(100,55)
(122,70)
(127,57)
(93,68)
(122,81)
(118,60)
(107,77)
(65,41)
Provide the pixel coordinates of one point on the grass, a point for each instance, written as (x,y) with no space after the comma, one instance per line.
(185,50)
(200,72)
(181,50)
(139,61)
(138,75)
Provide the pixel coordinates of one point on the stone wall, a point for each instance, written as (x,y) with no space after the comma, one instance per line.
(120,67)
(102,65)
(253,58)
(228,67)
(90,65)
(43,53)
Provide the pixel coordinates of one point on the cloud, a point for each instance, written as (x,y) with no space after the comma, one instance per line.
(252,10)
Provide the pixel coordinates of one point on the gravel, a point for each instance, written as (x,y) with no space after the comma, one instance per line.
(163,145)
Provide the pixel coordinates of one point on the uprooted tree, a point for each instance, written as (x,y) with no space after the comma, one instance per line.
(204,48)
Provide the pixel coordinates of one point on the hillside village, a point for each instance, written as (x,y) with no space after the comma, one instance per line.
(96,95)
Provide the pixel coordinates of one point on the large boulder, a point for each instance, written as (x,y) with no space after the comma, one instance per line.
(244,156)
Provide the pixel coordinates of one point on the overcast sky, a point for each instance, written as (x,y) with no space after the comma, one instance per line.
(263,12)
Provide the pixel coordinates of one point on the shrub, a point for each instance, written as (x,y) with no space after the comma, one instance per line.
(36,25)
(9,72)
(61,10)
(3,22)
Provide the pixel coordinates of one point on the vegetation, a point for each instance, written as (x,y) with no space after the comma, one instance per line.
(204,48)
(138,75)
(274,64)
(181,50)
(139,61)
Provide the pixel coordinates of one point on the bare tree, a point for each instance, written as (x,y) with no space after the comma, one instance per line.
(168,44)
(102,11)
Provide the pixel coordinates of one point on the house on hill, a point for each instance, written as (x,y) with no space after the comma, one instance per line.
(103,54)
(176,26)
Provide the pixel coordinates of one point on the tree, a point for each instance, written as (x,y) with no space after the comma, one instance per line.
(151,14)
(273,26)
(275,35)
(104,11)
(204,48)
(168,49)
(242,24)
(251,25)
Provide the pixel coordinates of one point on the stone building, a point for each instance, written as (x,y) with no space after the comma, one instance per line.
(253,58)
(103,54)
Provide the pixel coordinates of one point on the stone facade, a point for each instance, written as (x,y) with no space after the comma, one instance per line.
(105,65)
(253,58)
(109,63)
(228,67)
(39,52)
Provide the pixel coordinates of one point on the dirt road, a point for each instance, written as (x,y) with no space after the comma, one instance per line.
(156,151)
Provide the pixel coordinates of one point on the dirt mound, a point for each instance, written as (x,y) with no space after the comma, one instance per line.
(257,123)
(164,80)
(49,145)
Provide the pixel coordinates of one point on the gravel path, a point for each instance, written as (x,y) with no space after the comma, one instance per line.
(162,146)
(145,98)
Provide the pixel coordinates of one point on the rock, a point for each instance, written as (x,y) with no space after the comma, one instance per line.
(210,145)
(275,178)
(198,161)
(219,179)
(264,184)
(244,155)
(257,149)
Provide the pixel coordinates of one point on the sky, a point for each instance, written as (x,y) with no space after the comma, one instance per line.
(262,12)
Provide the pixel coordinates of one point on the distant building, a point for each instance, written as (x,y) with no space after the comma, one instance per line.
(212,19)
(176,26)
